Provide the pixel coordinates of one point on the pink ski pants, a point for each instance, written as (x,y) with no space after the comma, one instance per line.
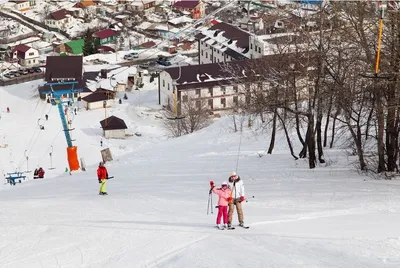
(222,211)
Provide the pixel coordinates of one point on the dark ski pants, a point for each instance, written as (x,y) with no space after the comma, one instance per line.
(236,202)
(222,212)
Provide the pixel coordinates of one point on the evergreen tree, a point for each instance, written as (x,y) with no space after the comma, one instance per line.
(88,47)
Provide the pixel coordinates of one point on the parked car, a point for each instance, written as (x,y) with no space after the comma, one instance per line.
(31,70)
(131,56)
(37,69)
(23,71)
(163,61)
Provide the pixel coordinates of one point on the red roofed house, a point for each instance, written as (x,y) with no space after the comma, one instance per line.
(195,8)
(104,36)
(25,55)
(60,19)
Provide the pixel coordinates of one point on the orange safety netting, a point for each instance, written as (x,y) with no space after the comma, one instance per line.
(73,161)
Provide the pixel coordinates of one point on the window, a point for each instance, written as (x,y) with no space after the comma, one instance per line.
(235,100)
(247,99)
(215,59)
(198,92)
(223,102)
(202,52)
(32,53)
(198,104)
(210,103)
(206,55)
(251,46)
(210,91)
(223,90)
(259,50)
(185,98)
(236,89)
(255,48)
(168,86)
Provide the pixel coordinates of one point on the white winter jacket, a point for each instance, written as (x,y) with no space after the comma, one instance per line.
(237,189)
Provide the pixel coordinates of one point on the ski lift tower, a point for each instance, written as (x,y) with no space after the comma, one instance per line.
(64,78)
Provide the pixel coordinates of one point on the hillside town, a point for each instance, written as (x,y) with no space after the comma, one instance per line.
(155,36)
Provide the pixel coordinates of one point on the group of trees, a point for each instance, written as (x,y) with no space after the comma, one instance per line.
(323,81)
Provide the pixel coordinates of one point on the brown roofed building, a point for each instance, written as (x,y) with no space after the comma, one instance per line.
(24,55)
(193,7)
(60,19)
(64,68)
(223,42)
(113,128)
(224,85)
(98,99)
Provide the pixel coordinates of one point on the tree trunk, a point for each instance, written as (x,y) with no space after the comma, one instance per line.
(334,127)
(319,139)
(328,116)
(303,152)
(288,138)
(311,142)
(391,129)
(381,130)
(371,113)
(272,142)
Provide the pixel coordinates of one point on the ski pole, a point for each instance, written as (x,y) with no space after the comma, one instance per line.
(211,203)
(208,204)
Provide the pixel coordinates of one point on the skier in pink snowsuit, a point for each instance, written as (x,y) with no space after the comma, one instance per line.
(224,193)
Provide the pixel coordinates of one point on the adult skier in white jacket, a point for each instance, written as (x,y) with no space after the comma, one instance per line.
(237,187)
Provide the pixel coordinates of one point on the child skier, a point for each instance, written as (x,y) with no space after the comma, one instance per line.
(224,194)
(102,175)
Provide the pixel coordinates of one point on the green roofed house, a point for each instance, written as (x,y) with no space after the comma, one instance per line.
(75,47)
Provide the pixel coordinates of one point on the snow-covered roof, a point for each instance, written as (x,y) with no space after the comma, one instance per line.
(179,20)
(120,76)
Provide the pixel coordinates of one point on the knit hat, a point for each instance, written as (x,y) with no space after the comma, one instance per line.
(224,183)
(233,173)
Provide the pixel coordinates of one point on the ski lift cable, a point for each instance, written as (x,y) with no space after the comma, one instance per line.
(32,138)
(54,140)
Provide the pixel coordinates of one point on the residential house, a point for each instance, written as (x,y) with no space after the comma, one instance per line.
(146,6)
(44,95)
(26,56)
(104,36)
(84,4)
(113,128)
(22,5)
(59,20)
(74,47)
(163,30)
(49,37)
(194,8)
(223,42)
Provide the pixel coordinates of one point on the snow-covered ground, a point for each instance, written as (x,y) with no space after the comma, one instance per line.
(155,213)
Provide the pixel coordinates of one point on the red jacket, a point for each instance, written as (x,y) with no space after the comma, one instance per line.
(102,173)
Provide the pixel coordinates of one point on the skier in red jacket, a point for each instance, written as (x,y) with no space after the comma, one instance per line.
(102,176)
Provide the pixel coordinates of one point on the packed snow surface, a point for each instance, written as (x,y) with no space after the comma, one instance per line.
(156,212)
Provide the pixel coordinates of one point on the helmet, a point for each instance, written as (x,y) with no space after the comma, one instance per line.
(224,183)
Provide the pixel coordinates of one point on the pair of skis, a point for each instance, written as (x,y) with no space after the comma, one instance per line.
(232,228)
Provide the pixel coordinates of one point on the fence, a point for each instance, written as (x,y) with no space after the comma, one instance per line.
(21,79)
(39,24)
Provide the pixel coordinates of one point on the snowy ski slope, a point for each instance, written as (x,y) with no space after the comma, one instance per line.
(155,213)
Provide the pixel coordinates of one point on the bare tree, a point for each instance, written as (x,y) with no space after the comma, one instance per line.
(195,115)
